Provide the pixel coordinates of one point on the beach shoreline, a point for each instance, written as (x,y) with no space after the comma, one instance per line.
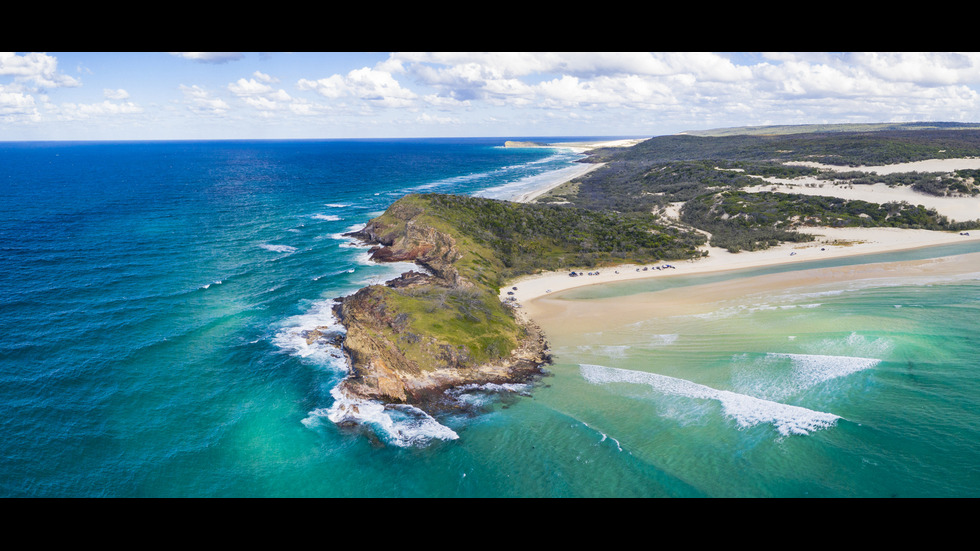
(829,243)
(578,147)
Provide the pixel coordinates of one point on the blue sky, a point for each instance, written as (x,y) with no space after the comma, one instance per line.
(281,95)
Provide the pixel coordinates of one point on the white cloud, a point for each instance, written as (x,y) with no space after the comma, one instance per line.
(257,93)
(377,87)
(249,87)
(14,104)
(506,92)
(37,69)
(87,110)
(210,57)
(115,94)
(200,100)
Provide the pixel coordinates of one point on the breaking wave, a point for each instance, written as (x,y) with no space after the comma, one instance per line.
(399,425)
(746,411)
(278,248)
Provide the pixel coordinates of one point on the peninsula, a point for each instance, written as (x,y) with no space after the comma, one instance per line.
(665,206)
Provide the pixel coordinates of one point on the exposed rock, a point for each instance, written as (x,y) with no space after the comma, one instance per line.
(378,341)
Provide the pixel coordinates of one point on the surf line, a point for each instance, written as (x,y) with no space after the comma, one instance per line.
(746,410)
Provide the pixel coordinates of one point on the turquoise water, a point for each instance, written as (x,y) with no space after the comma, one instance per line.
(153,298)
(847,389)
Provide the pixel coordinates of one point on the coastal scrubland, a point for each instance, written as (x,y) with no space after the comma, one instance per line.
(709,173)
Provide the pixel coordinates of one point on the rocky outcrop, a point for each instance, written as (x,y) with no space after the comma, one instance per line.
(400,237)
(393,363)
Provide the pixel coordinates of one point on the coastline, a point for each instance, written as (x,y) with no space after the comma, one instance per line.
(849,242)
(578,147)
(829,243)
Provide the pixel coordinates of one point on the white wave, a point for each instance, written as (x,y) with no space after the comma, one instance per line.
(778,375)
(337,205)
(332,274)
(812,369)
(400,425)
(746,410)
(327,217)
(520,388)
(208,285)
(292,336)
(482,394)
(278,248)
(513,189)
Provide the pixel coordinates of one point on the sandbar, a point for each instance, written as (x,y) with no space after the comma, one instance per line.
(829,243)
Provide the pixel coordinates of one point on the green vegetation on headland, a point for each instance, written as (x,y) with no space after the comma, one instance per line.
(413,337)
(410,339)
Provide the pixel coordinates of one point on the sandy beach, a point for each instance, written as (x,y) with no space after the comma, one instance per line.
(578,147)
(828,243)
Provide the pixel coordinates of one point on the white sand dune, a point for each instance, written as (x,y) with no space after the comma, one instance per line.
(829,243)
(954,208)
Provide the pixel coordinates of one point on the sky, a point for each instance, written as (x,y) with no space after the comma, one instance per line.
(327,95)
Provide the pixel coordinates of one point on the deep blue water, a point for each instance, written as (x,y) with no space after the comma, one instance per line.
(152,294)
(153,298)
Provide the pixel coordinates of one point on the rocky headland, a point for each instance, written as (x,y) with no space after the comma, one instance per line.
(414,337)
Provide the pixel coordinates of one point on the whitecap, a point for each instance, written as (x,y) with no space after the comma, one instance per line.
(327,217)
(278,248)
(745,410)
(208,285)
(292,335)
(399,425)
(337,205)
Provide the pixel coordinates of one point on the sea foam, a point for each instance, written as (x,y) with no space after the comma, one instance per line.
(746,410)
(399,425)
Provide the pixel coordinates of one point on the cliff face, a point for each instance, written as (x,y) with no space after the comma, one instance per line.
(403,238)
(416,336)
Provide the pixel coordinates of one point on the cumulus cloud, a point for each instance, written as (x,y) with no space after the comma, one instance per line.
(377,87)
(35,70)
(15,104)
(500,92)
(119,94)
(201,101)
(258,93)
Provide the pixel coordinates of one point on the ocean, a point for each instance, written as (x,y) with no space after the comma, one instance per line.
(154,297)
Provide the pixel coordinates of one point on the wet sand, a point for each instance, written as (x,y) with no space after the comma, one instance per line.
(565,320)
